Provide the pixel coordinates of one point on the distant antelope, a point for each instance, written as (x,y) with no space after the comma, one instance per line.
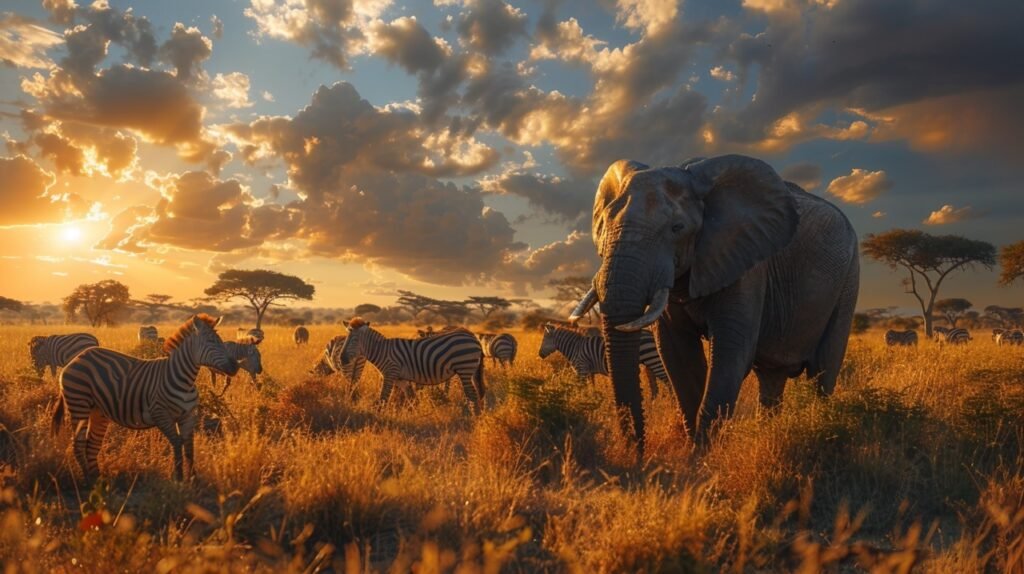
(148,333)
(301,335)
(901,338)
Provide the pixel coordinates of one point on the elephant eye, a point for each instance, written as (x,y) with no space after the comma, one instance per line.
(678,228)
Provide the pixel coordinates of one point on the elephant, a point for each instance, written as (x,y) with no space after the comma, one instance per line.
(720,248)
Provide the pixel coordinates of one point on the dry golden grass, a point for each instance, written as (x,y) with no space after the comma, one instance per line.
(915,463)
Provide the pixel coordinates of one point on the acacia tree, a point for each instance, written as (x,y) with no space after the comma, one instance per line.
(953,309)
(366,309)
(488,305)
(99,301)
(1005,316)
(260,288)
(929,259)
(1011,259)
(153,303)
(10,305)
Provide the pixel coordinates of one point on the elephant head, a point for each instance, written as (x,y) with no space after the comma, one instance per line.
(696,228)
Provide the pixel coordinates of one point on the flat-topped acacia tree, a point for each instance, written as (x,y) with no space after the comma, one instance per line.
(929,259)
(261,288)
(1011,259)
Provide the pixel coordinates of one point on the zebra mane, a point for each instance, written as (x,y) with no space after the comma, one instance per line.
(581,331)
(174,340)
(357,322)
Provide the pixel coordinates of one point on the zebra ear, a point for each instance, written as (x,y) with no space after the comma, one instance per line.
(219,319)
(345,324)
(549,328)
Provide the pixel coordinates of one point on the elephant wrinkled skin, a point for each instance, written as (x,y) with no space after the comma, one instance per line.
(724,249)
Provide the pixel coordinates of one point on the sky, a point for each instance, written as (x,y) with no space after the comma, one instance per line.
(453,147)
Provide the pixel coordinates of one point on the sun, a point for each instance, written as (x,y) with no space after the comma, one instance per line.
(71,233)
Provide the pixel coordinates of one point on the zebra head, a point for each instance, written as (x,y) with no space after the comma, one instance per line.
(352,348)
(547,344)
(36,349)
(199,336)
(252,361)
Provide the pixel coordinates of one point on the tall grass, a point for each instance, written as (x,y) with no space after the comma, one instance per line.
(915,463)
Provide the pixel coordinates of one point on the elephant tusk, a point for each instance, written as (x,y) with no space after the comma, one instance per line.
(658,304)
(586,304)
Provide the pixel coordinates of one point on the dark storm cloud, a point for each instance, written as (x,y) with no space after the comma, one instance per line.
(875,55)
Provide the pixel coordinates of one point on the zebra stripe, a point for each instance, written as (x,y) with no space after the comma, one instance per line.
(148,333)
(102,385)
(243,335)
(1010,337)
(249,359)
(944,335)
(56,351)
(499,349)
(428,361)
(586,353)
(901,338)
(330,362)
(301,335)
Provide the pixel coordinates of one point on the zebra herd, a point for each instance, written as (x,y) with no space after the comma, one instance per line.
(953,336)
(584,349)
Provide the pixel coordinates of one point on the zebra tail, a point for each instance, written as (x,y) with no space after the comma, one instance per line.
(58,416)
(481,389)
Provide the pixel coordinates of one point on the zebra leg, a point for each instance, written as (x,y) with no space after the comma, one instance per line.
(81,441)
(385,389)
(170,430)
(772,384)
(651,381)
(469,389)
(186,428)
(98,425)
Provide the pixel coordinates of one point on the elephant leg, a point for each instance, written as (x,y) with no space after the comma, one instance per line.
(682,353)
(828,357)
(772,383)
(731,358)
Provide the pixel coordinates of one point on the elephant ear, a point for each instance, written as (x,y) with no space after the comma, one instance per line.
(612,185)
(749,214)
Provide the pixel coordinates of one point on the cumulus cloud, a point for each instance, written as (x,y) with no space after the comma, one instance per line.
(806,175)
(491,26)
(186,49)
(218,26)
(232,89)
(948,214)
(79,149)
(61,11)
(567,199)
(333,30)
(23,43)
(720,73)
(861,186)
(26,197)
(575,255)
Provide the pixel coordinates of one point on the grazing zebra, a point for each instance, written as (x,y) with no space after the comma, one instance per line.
(1010,337)
(901,338)
(55,351)
(102,385)
(249,359)
(586,353)
(499,349)
(148,333)
(427,361)
(255,336)
(301,335)
(330,362)
(944,335)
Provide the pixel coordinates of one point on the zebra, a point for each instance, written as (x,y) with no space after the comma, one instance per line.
(585,353)
(249,359)
(996,333)
(301,335)
(243,335)
(499,349)
(901,338)
(102,385)
(430,331)
(426,361)
(148,333)
(951,336)
(330,362)
(55,351)
(1010,337)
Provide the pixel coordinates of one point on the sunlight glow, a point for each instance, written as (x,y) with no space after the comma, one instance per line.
(71,233)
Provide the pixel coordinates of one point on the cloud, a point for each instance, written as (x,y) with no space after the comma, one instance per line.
(948,214)
(861,186)
(806,175)
(720,73)
(333,30)
(567,199)
(852,54)
(267,96)
(123,226)
(23,43)
(218,26)
(61,11)
(79,149)
(575,255)
(648,15)
(233,89)
(186,49)
(25,196)
(491,26)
